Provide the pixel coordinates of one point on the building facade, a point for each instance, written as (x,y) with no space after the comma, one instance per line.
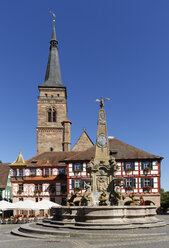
(5,182)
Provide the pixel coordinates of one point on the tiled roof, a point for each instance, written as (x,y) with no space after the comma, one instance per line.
(4,171)
(118,149)
(49,159)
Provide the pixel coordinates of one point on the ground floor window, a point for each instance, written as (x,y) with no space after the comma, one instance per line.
(77,183)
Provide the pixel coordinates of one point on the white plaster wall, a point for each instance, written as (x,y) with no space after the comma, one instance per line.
(39,172)
(45,188)
(55,172)
(27,172)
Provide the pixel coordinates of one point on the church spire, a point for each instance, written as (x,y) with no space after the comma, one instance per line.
(53,74)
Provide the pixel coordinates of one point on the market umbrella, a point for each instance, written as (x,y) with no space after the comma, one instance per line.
(25,205)
(4,205)
(46,204)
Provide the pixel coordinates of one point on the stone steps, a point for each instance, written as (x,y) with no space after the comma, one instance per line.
(47,230)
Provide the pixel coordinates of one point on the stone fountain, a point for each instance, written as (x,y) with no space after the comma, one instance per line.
(101,206)
(102,203)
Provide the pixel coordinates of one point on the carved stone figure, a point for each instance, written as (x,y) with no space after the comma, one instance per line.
(102,183)
(102,120)
(86,197)
(102,199)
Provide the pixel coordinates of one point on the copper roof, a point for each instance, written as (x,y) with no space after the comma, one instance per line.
(19,161)
(4,171)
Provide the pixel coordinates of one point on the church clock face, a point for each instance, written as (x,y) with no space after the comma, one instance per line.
(102,140)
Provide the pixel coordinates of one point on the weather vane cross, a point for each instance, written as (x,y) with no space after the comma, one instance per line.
(102,100)
(53,14)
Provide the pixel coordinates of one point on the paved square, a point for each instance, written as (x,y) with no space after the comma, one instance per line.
(147,238)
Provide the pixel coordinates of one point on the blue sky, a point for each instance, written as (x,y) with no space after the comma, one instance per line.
(117,49)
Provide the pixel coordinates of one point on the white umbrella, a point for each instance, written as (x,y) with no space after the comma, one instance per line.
(46,204)
(25,205)
(4,205)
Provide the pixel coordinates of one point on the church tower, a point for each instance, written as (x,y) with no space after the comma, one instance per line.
(53,128)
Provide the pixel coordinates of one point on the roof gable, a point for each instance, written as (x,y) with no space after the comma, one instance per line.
(84,142)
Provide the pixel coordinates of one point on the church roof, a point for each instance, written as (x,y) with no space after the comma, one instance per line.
(53,74)
(19,161)
(84,142)
(118,149)
(4,172)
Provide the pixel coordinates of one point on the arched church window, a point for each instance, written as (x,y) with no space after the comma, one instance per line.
(54,115)
(49,115)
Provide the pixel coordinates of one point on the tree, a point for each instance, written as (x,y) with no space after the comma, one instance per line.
(164,200)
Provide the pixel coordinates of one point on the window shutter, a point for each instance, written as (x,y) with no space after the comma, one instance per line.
(81,167)
(142,183)
(152,182)
(133,165)
(82,184)
(151,165)
(142,166)
(134,183)
(124,166)
(73,167)
(124,185)
(73,184)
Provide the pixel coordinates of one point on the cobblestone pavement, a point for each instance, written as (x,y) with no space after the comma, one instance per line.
(139,238)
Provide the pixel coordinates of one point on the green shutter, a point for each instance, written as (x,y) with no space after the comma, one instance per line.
(73,167)
(151,165)
(82,184)
(142,183)
(124,166)
(134,183)
(133,165)
(81,167)
(73,184)
(124,185)
(152,182)
(142,166)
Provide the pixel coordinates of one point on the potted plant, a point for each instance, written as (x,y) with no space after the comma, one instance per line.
(20,191)
(129,188)
(146,170)
(33,175)
(46,175)
(147,189)
(129,169)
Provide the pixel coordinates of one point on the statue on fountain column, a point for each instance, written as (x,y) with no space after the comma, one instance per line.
(86,197)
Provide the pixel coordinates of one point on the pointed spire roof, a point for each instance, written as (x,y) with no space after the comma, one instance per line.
(53,74)
(19,161)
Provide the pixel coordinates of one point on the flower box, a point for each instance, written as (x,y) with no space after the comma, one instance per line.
(20,191)
(129,188)
(147,170)
(147,189)
(129,169)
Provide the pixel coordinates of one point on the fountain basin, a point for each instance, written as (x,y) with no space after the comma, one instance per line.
(106,214)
